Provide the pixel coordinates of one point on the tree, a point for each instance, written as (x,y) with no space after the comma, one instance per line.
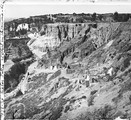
(19,51)
(83,14)
(48,52)
(74,14)
(93,16)
(23,31)
(100,17)
(71,20)
(116,16)
(125,17)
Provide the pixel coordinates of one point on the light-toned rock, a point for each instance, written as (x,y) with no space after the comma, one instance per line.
(118,118)
(110,71)
(8,64)
(22,26)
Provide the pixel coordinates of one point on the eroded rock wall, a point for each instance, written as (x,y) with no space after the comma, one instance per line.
(63,30)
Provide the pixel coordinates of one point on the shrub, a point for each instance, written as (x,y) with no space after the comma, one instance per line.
(90,100)
(70,71)
(104,113)
(67,108)
(12,77)
(98,114)
(56,74)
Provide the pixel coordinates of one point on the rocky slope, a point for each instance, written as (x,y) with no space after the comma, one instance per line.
(101,52)
(17,58)
(16,48)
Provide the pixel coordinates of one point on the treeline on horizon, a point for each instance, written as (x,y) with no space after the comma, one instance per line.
(38,21)
(72,18)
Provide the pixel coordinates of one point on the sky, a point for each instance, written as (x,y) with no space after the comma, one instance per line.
(69,0)
(25,9)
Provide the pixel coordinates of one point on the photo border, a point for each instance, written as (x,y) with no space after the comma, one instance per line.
(2,5)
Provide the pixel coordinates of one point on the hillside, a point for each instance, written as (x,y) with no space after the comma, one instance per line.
(14,28)
(86,77)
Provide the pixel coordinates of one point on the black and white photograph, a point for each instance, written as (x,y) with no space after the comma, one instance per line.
(67,60)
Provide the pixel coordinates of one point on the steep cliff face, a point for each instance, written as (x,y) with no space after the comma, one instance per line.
(63,31)
(100,53)
(100,32)
(87,37)
(74,34)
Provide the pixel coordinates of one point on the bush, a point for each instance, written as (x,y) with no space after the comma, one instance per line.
(11,79)
(104,113)
(90,100)
(56,74)
(67,108)
(125,64)
(70,71)
(98,114)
